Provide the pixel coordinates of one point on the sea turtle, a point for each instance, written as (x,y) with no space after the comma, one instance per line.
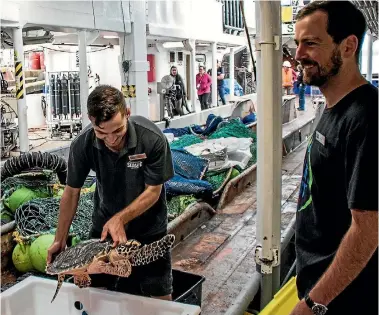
(92,256)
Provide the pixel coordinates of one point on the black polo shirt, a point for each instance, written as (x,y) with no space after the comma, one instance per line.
(121,177)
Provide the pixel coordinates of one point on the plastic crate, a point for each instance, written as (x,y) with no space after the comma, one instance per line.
(187,287)
(33,295)
(284,300)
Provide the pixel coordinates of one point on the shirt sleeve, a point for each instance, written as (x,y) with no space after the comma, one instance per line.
(77,166)
(159,168)
(361,164)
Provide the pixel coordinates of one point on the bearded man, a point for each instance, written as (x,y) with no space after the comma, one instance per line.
(337,215)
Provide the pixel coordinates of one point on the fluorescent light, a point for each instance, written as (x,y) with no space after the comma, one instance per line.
(110,36)
(173,45)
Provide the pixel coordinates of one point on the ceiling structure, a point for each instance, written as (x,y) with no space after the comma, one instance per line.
(370,11)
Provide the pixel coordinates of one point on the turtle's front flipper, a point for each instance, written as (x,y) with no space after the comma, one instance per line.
(153,251)
(60,282)
(82,281)
(121,268)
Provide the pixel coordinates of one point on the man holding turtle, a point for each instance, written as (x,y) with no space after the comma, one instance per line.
(132,160)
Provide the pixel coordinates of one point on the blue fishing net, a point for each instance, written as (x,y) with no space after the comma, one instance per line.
(179,185)
(187,165)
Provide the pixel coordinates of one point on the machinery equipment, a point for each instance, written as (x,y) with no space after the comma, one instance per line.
(64,108)
(9,129)
(167,91)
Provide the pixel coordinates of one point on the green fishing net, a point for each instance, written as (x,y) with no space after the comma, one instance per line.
(178,204)
(40,216)
(234,128)
(185,141)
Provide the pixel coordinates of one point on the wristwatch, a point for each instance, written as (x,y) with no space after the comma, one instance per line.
(317,309)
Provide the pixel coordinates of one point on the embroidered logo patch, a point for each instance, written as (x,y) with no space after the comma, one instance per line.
(134,165)
(134,157)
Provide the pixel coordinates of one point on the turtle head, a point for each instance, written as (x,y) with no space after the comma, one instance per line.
(126,249)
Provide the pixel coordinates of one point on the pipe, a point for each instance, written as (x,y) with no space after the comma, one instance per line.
(18,46)
(288,276)
(243,300)
(83,77)
(214,75)
(369,58)
(269,147)
(231,74)
(5,228)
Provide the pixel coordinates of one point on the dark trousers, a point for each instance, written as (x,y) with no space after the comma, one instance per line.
(222,95)
(203,98)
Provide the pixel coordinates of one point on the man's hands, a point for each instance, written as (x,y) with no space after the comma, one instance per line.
(116,228)
(55,248)
(301,308)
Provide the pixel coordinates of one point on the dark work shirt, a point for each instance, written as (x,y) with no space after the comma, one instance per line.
(121,177)
(340,173)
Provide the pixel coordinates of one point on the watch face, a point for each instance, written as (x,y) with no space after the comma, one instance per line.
(319,309)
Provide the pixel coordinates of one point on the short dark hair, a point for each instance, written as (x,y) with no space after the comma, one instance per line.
(104,102)
(344,19)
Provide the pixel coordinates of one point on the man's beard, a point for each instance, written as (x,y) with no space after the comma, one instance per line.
(320,75)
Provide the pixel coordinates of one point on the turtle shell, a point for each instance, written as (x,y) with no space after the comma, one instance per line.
(78,256)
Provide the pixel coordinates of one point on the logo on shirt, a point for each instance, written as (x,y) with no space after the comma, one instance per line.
(134,164)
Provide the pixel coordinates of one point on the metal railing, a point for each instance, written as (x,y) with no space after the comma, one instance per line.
(232,17)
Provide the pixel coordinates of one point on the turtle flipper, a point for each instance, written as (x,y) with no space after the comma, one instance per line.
(82,280)
(121,268)
(153,251)
(60,282)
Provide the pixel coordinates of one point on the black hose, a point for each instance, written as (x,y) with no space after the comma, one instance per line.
(30,160)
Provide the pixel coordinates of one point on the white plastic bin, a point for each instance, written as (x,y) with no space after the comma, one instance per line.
(33,295)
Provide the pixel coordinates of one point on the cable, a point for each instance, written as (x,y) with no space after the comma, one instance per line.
(248,39)
(94,17)
(125,66)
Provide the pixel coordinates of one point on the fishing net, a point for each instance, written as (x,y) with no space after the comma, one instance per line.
(179,185)
(15,191)
(233,128)
(40,216)
(176,205)
(217,178)
(187,165)
(185,141)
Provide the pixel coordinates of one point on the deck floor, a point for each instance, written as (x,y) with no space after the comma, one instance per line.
(222,250)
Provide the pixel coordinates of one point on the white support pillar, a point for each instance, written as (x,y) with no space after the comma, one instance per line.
(83,76)
(18,47)
(214,75)
(190,44)
(134,51)
(269,149)
(231,74)
(369,57)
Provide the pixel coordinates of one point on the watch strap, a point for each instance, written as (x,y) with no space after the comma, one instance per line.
(309,301)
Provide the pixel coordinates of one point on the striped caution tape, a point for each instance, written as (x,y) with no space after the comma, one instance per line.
(129,91)
(19,81)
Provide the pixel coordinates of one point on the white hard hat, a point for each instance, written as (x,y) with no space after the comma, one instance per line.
(287,64)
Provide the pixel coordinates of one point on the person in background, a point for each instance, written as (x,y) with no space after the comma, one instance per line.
(287,78)
(181,100)
(203,86)
(336,233)
(301,86)
(220,82)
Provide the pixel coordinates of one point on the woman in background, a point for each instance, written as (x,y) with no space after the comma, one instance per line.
(203,86)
